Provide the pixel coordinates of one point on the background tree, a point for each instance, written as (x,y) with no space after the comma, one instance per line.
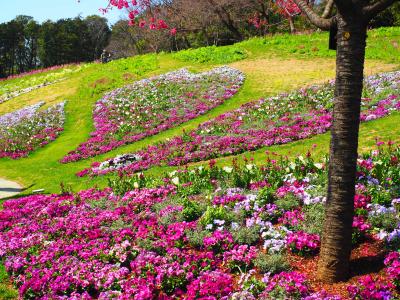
(99,34)
(26,45)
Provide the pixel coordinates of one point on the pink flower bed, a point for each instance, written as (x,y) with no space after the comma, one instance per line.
(27,129)
(276,120)
(157,242)
(153,105)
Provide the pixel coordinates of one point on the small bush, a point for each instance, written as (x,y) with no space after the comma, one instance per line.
(196,237)
(192,210)
(265,196)
(245,235)
(289,202)
(273,263)
(314,217)
(387,221)
(216,213)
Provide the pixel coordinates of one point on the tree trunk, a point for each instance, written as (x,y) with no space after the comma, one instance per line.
(336,239)
(291,25)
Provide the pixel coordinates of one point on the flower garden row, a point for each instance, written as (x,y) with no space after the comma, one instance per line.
(208,233)
(11,95)
(14,86)
(150,106)
(275,120)
(29,128)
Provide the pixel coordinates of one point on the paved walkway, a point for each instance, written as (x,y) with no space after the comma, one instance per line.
(9,188)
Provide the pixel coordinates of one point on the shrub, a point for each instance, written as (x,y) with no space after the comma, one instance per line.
(288,202)
(271,263)
(246,235)
(212,54)
(314,217)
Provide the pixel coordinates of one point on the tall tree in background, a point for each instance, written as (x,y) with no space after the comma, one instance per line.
(26,45)
(351,21)
(99,34)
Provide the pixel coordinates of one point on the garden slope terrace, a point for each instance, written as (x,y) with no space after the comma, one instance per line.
(269,67)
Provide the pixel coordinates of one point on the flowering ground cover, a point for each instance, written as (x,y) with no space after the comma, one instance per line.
(29,128)
(150,106)
(208,233)
(14,86)
(276,120)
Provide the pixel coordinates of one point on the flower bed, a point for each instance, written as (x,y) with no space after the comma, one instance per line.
(276,120)
(29,128)
(16,85)
(206,233)
(153,105)
(13,94)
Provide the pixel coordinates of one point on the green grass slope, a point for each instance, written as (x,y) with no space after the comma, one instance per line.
(271,64)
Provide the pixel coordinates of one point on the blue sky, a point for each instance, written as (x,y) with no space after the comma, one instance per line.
(43,10)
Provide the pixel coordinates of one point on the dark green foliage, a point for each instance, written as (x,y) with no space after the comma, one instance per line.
(26,45)
(387,221)
(273,263)
(289,202)
(266,195)
(192,210)
(245,235)
(314,216)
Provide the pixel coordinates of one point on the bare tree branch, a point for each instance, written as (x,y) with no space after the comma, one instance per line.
(322,23)
(372,10)
(328,9)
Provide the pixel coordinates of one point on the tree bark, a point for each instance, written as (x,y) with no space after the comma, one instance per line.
(291,25)
(336,239)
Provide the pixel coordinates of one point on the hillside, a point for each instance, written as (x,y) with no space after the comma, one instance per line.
(304,60)
(291,73)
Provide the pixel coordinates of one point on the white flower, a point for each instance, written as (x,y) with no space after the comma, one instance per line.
(135,185)
(249,167)
(219,222)
(228,169)
(175,180)
(318,165)
(171,174)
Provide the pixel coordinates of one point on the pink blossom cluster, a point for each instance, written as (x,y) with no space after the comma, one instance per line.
(303,243)
(360,224)
(211,286)
(241,256)
(369,288)
(294,285)
(219,241)
(392,263)
(291,218)
(228,199)
(361,201)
